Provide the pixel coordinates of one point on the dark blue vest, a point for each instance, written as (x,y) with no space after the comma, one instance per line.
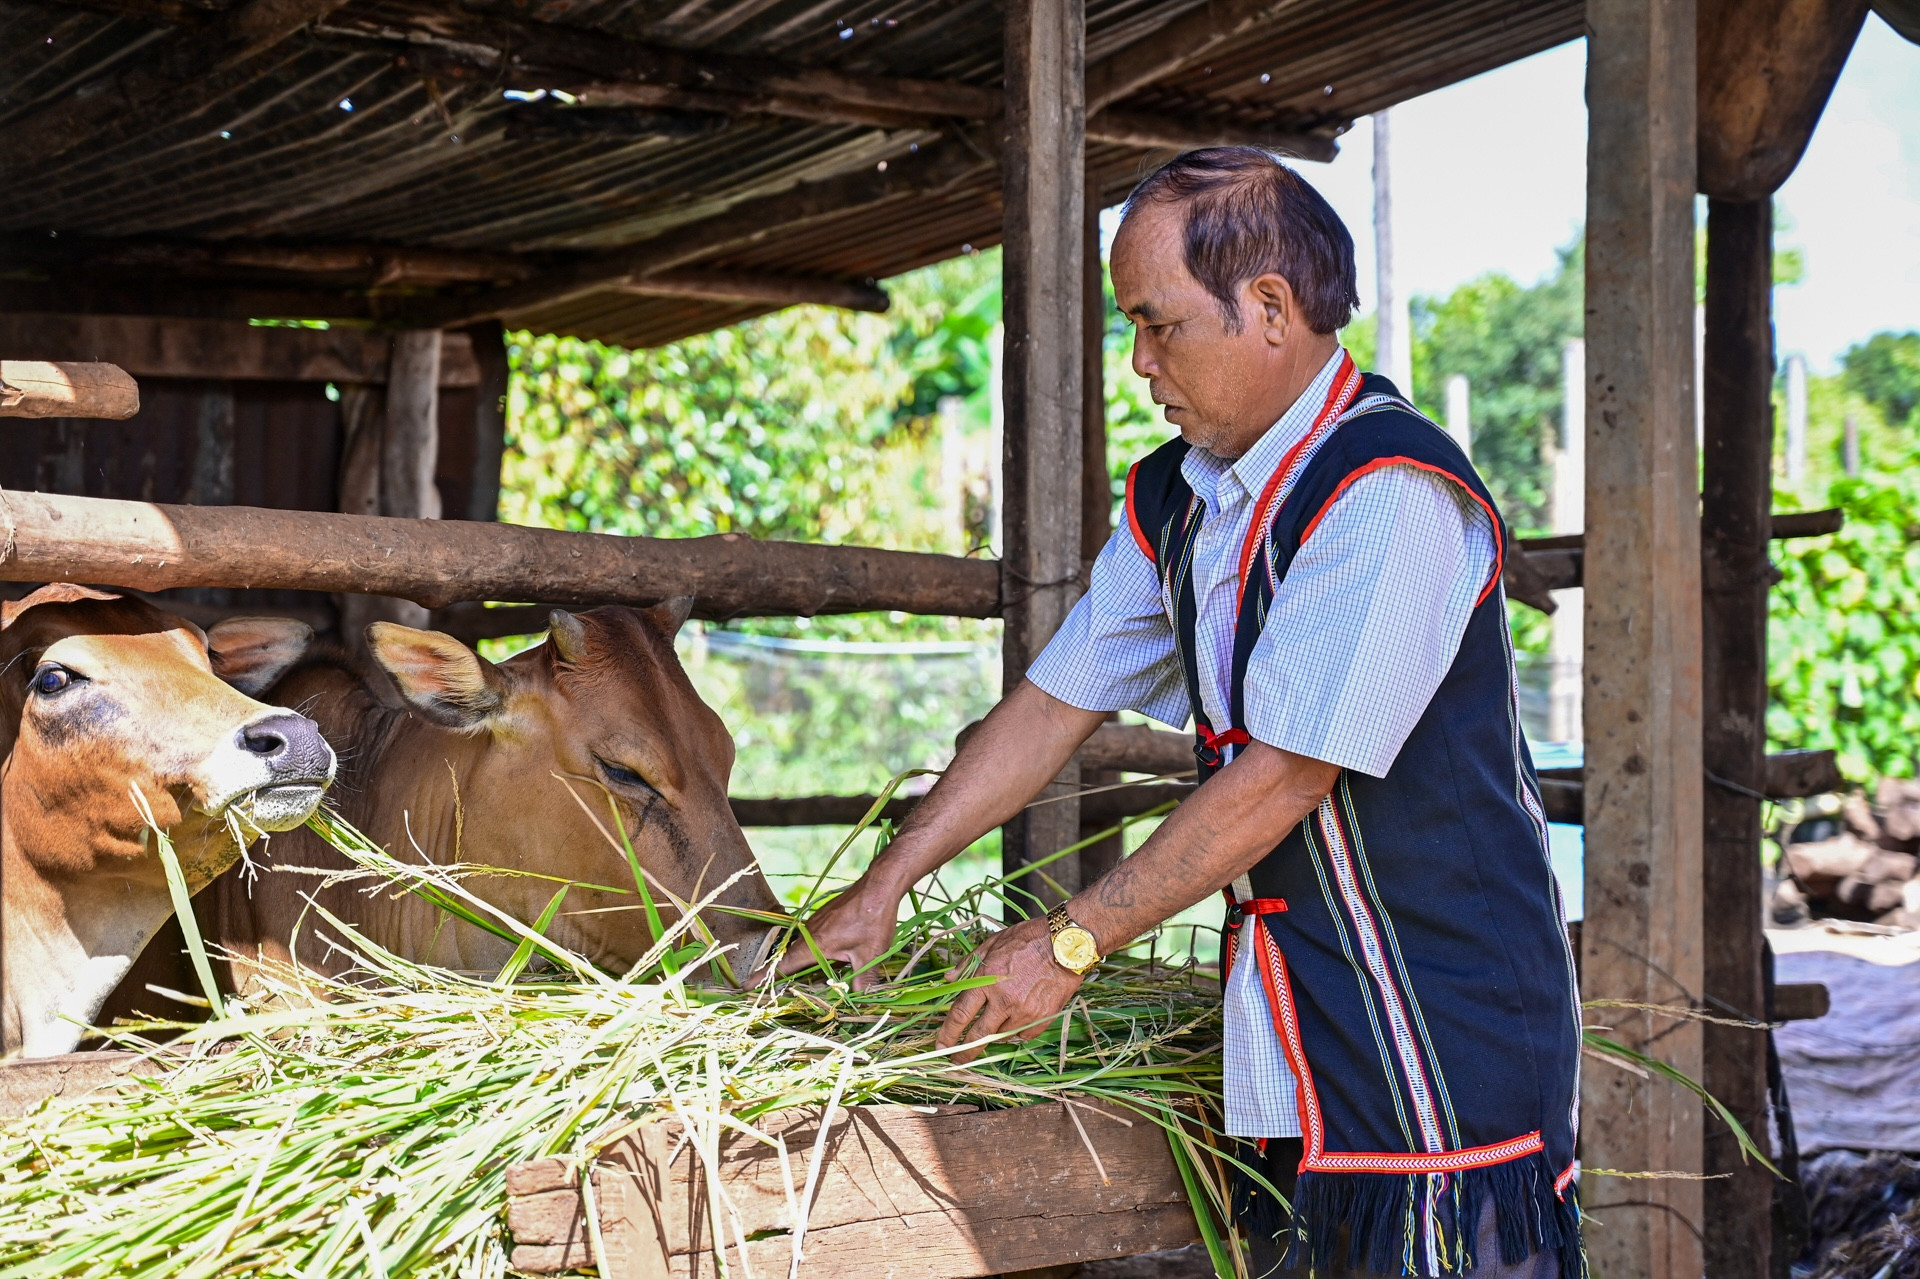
(1419,975)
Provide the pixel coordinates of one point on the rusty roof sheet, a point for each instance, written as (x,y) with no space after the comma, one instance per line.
(268,151)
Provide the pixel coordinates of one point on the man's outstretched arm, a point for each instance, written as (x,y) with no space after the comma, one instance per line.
(1215,836)
(1021,746)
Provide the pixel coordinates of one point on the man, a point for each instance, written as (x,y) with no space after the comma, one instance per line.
(1312,573)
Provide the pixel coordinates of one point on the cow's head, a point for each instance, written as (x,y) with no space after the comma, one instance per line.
(603,711)
(102,696)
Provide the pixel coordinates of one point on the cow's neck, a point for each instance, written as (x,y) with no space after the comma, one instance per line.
(68,940)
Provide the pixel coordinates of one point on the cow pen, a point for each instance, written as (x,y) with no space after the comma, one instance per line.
(181,172)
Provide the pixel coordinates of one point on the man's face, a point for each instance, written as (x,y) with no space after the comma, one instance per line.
(1210,382)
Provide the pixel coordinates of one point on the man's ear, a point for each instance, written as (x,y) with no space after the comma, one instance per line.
(252,653)
(438,676)
(1279,308)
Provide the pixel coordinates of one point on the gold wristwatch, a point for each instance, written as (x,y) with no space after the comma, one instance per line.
(1073,946)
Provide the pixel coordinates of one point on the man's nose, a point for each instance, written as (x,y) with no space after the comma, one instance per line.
(1144,362)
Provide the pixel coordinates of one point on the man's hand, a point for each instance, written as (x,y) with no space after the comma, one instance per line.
(854,928)
(1031,991)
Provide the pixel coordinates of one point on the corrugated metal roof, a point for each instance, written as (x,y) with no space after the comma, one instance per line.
(269,151)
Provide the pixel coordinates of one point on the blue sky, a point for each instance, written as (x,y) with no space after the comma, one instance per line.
(1490,175)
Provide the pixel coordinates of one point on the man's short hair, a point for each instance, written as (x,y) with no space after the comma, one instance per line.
(1248,214)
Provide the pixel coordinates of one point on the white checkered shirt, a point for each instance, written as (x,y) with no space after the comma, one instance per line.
(1363,628)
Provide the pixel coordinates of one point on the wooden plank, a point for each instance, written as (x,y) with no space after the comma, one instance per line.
(25,1084)
(1735,574)
(906,1194)
(1641,706)
(1800,1001)
(45,388)
(1043,181)
(150,546)
(147,346)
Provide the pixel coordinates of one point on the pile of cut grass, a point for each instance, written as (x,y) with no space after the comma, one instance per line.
(363,1126)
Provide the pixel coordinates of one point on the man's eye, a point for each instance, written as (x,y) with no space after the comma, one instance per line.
(622,776)
(49,680)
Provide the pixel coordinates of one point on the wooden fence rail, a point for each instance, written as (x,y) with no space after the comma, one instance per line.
(436,563)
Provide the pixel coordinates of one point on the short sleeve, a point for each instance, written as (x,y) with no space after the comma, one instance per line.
(1369,618)
(1115,651)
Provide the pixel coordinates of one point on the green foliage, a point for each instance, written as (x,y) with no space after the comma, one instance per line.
(761,429)
(1885,372)
(1843,636)
(1507,339)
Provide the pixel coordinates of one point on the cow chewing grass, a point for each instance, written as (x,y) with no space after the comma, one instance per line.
(115,725)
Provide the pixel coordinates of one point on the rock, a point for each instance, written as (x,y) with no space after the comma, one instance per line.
(1820,865)
(1898,799)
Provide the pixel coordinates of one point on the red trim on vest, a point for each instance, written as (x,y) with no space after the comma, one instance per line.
(1379,463)
(1262,906)
(1133,518)
(1346,385)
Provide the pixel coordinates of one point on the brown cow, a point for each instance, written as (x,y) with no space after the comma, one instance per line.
(475,765)
(101,694)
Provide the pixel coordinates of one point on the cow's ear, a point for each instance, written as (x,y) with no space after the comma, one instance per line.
(672,614)
(439,676)
(252,653)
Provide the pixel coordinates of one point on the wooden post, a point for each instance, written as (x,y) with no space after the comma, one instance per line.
(1393,325)
(1735,573)
(489,420)
(393,441)
(1044,196)
(1641,713)
(1096,493)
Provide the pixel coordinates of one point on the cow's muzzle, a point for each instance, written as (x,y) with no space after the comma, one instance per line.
(274,770)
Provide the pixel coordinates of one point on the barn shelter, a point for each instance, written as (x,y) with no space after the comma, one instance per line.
(187,183)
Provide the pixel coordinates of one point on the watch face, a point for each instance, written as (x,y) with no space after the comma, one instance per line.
(1074,949)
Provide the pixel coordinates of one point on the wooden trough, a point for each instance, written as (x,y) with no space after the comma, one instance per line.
(902,1192)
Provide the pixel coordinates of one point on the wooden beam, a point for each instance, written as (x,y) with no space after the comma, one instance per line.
(1641,709)
(1767,68)
(1156,131)
(152,346)
(154,547)
(44,388)
(87,292)
(372,265)
(758,287)
(1559,563)
(1097,808)
(1735,574)
(1043,176)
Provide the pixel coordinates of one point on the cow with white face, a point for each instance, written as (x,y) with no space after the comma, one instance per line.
(102,696)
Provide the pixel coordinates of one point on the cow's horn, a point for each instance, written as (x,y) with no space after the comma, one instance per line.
(568,635)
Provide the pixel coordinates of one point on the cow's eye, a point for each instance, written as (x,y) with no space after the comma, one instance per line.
(51,679)
(621,776)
